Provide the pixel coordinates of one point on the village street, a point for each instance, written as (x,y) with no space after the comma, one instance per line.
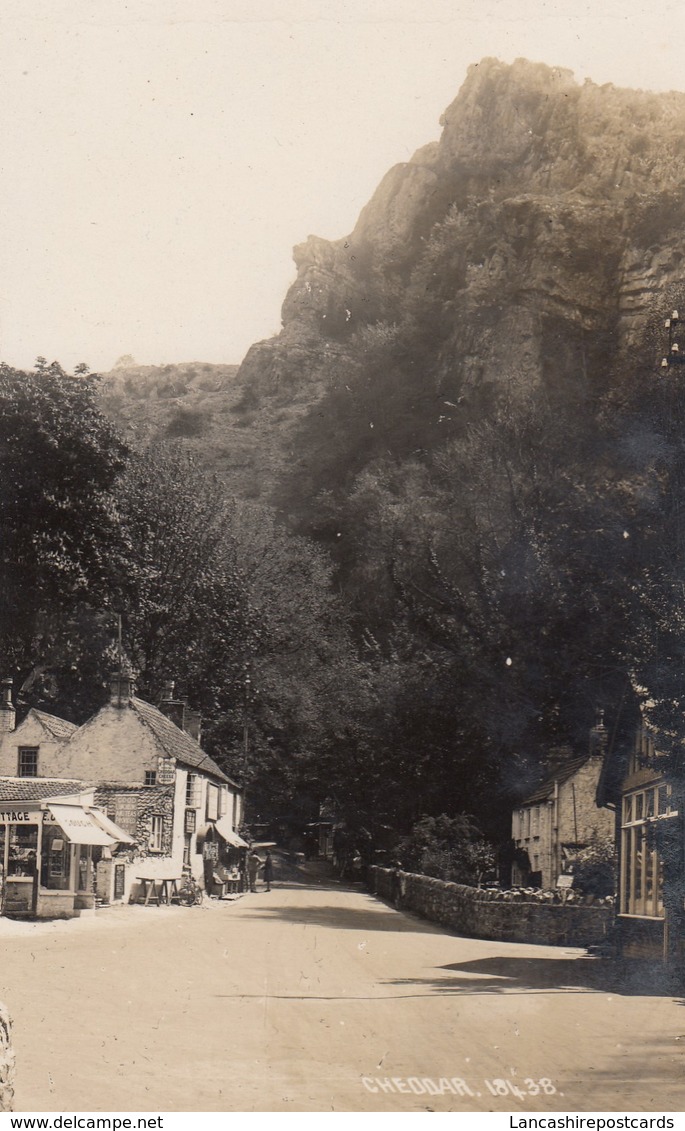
(316,997)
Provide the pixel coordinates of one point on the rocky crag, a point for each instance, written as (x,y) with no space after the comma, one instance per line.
(531,247)
(548,215)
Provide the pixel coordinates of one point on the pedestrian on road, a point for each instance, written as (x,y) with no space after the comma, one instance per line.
(268,871)
(253,863)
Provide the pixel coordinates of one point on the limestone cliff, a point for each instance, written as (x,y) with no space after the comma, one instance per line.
(536,238)
(529,248)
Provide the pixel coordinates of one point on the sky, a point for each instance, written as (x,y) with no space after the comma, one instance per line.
(159,159)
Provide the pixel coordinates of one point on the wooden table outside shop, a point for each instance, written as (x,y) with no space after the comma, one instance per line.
(166,893)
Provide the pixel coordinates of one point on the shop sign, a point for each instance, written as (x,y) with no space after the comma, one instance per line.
(119,880)
(166,771)
(21,816)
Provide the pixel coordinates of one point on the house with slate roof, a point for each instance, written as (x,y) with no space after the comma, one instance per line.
(26,751)
(560,817)
(149,775)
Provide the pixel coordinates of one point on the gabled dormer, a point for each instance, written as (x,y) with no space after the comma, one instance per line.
(32,750)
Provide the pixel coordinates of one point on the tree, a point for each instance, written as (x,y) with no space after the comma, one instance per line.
(448,848)
(59,461)
(220,598)
(183,603)
(594,867)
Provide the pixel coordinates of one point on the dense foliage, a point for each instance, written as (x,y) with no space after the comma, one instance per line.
(59,462)
(448,848)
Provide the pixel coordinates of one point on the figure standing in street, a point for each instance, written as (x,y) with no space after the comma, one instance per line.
(252,869)
(268,871)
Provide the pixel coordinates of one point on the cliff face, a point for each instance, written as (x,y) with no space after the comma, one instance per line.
(530,248)
(536,239)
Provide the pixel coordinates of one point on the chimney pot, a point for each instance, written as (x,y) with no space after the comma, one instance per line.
(122,688)
(598,736)
(7,712)
(169,705)
(192,724)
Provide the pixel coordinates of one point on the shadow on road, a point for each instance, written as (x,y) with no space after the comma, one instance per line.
(506,974)
(374,917)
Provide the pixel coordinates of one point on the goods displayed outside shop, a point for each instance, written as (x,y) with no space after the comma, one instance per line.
(49,850)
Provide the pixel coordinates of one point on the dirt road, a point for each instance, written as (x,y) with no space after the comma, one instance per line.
(318,999)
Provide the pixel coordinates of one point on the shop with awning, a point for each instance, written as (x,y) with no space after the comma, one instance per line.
(224,855)
(48,851)
(225,830)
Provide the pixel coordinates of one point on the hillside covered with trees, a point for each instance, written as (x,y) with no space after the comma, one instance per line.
(415,540)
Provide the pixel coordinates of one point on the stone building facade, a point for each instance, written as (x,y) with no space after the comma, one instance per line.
(560,817)
(149,774)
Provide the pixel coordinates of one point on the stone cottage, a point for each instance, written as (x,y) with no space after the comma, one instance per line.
(560,817)
(149,775)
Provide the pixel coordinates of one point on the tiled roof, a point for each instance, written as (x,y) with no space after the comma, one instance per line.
(176,742)
(60,728)
(561,775)
(36,789)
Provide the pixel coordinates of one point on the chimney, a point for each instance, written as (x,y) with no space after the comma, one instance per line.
(174,709)
(193,725)
(556,759)
(598,737)
(7,712)
(122,687)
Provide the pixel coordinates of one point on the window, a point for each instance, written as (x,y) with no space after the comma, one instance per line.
(645,813)
(193,789)
(151,777)
(187,840)
(212,803)
(28,762)
(156,832)
(644,752)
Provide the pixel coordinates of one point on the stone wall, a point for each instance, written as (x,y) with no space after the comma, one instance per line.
(132,807)
(503,916)
(6,1061)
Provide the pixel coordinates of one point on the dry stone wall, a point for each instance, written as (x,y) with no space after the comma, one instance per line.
(503,916)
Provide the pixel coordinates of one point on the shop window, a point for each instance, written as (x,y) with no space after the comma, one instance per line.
(156,833)
(55,860)
(22,850)
(193,789)
(28,762)
(646,813)
(151,777)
